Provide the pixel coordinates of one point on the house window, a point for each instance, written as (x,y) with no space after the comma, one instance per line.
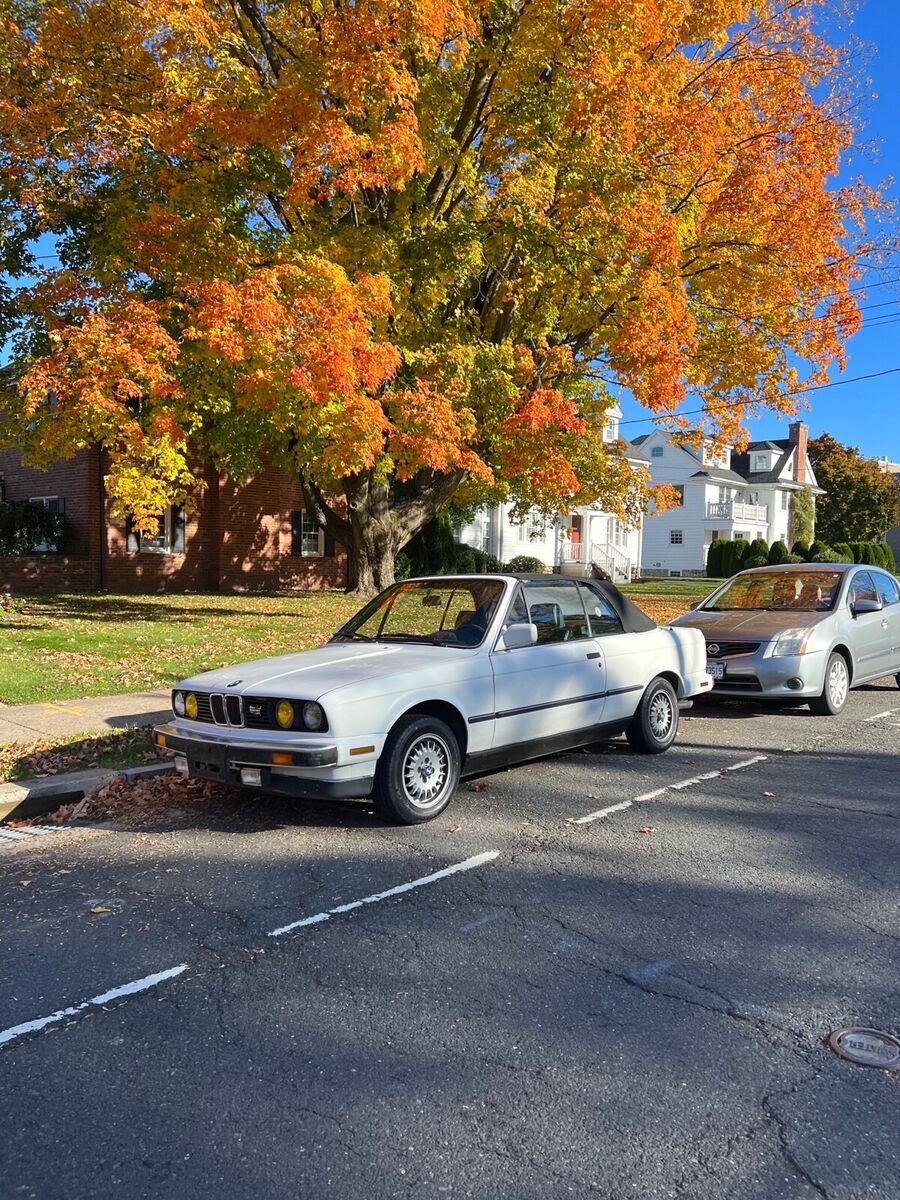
(785,501)
(55,504)
(740,537)
(760,462)
(676,537)
(656,452)
(307,538)
(679,488)
(169,539)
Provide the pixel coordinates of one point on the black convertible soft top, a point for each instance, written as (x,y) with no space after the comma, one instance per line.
(632,618)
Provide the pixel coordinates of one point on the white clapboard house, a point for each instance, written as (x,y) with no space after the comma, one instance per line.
(575,544)
(723,495)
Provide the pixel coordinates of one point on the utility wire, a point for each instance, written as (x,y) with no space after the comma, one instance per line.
(818,387)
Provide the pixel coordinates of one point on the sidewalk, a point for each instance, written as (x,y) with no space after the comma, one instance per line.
(69,718)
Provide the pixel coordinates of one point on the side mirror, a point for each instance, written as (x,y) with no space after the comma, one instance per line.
(516,636)
(858,607)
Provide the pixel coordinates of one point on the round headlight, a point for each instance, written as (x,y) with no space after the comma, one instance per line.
(178,704)
(284,713)
(313,715)
(190,706)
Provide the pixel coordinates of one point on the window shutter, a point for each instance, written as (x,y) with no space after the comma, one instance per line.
(296,534)
(329,546)
(178,531)
(132,537)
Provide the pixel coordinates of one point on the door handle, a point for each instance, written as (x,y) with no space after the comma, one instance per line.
(594,654)
(884,624)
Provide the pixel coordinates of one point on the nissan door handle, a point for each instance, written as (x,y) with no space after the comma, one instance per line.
(594,654)
(884,624)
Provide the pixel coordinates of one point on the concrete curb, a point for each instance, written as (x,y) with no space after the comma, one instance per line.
(35,797)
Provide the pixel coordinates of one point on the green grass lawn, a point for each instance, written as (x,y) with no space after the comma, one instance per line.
(688,588)
(63,647)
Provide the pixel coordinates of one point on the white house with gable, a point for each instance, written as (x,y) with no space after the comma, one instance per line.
(573,545)
(723,495)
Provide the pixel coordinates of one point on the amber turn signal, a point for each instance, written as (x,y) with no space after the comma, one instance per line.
(280,759)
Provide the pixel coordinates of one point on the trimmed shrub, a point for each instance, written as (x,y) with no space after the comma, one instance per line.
(525,564)
(465,561)
(824,554)
(486,564)
(759,548)
(801,549)
(714,559)
(845,549)
(889,561)
(755,560)
(794,558)
(778,553)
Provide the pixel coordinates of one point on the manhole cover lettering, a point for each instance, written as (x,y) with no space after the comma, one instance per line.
(867,1047)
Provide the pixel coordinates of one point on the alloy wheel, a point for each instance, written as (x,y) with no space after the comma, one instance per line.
(426,770)
(660,716)
(838,683)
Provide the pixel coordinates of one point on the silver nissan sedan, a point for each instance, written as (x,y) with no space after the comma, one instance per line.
(803,632)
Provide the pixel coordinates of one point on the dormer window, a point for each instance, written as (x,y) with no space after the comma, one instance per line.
(760,462)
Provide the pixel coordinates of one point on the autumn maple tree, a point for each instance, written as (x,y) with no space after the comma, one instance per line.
(861,501)
(405,246)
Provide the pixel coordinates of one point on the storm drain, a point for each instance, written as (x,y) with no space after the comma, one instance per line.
(9,836)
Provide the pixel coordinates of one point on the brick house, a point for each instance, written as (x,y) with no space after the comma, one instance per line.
(250,536)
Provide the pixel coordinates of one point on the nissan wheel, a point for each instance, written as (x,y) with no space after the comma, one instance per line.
(836,687)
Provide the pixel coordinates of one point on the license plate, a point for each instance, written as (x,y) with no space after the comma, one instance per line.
(209,762)
(717,670)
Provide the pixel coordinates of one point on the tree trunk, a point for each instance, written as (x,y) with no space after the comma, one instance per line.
(372,530)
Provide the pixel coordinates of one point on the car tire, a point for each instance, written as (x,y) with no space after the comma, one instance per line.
(836,687)
(418,771)
(655,722)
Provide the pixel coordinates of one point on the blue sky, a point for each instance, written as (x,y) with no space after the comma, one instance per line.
(864,414)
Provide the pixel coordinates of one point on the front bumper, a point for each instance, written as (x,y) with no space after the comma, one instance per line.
(281,768)
(791,677)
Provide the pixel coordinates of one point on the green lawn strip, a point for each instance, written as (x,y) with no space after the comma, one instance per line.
(678,588)
(121,748)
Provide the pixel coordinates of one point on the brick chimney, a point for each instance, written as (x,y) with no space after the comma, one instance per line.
(799,436)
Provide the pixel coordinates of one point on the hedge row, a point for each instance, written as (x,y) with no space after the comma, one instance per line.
(727,558)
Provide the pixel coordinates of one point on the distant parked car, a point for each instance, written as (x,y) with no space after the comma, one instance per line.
(801,632)
(437,678)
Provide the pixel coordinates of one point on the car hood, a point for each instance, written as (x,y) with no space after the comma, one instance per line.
(753,623)
(311,674)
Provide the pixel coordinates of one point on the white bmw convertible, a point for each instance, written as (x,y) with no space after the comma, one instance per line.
(435,679)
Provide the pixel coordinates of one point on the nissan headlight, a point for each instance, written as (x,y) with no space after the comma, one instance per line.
(178,704)
(313,716)
(791,642)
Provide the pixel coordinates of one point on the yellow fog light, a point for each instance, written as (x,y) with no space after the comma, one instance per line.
(190,706)
(284,713)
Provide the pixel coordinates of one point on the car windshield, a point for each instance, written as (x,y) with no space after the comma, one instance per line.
(778,591)
(440,612)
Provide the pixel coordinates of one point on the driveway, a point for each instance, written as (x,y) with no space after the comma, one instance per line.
(578,997)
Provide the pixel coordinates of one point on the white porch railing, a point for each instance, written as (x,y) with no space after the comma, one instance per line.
(611,559)
(733,510)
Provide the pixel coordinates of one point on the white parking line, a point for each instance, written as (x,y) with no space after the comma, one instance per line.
(878,716)
(600,813)
(117,993)
(468,864)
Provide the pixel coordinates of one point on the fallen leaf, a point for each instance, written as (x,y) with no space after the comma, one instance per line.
(691,762)
(453,829)
(591,796)
(768,793)
(649,829)
(99,908)
(478,787)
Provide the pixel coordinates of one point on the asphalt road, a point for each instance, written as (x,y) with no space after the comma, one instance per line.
(586,1009)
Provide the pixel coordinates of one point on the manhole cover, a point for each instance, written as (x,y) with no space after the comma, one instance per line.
(867,1047)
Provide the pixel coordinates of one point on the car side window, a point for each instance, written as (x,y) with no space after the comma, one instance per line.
(557,611)
(602,617)
(862,587)
(888,591)
(518,611)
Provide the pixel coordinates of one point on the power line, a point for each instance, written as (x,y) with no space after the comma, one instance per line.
(818,387)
